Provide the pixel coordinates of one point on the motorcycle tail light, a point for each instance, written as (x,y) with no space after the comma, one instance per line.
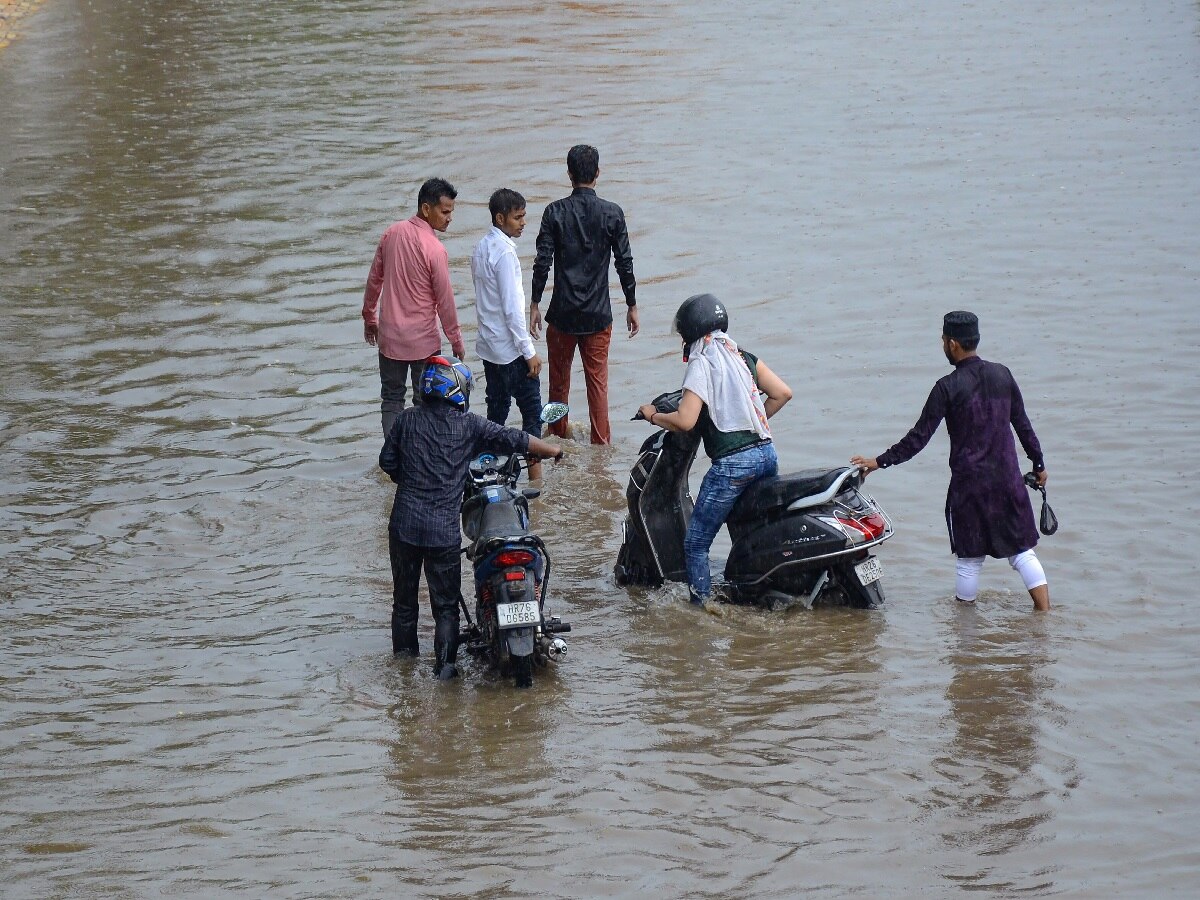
(515,575)
(864,528)
(875,523)
(514,558)
(854,535)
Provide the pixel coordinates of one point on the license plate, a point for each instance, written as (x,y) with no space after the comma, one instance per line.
(514,615)
(868,571)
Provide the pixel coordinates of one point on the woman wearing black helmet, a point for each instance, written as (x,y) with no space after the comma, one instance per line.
(721,397)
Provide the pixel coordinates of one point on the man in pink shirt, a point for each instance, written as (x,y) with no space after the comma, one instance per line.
(408,293)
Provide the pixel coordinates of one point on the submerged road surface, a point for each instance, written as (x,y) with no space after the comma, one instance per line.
(196,692)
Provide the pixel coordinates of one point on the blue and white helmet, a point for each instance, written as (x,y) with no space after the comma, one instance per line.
(449,379)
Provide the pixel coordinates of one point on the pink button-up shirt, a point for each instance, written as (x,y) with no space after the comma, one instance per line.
(408,291)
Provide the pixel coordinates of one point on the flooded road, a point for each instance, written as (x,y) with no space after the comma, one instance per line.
(197,693)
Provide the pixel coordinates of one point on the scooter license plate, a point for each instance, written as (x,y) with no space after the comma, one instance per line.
(516,615)
(868,571)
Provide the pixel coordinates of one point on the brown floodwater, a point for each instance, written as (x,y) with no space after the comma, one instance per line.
(196,691)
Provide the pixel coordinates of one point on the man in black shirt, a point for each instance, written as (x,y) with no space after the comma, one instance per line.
(578,236)
(427,454)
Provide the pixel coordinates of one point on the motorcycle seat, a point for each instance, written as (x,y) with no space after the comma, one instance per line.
(772,494)
(501,520)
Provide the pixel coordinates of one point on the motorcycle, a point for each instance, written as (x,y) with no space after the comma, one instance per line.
(511,569)
(802,537)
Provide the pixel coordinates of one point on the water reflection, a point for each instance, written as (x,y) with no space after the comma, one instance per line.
(751,730)
(477,729)
(472,770)
(997,694)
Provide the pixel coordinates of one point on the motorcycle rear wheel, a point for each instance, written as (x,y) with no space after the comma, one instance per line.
(522,670)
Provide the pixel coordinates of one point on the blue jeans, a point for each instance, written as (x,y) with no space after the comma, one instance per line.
(726,480)
(510,381)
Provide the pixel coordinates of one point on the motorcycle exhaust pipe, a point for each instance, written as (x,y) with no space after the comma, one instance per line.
(552,646)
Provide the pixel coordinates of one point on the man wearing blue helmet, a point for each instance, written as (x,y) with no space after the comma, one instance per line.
(427,453)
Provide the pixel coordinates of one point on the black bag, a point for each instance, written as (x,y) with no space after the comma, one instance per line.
(1048,521)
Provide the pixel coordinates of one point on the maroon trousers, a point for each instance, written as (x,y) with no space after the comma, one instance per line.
(593,351)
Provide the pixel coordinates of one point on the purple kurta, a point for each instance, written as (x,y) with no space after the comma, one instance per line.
(988,511)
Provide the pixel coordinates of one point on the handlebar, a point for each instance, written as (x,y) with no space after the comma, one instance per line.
(507,467)
(664,403)
(489,463)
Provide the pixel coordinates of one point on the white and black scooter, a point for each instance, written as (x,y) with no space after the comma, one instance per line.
(803,537)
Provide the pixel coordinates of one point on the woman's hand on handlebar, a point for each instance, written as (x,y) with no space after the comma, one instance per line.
(684,417)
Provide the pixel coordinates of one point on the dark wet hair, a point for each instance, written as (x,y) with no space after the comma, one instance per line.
(968,344)
(503,202)
(433,190)
(583,164)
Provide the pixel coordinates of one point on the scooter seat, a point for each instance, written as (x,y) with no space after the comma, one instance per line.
(770,495)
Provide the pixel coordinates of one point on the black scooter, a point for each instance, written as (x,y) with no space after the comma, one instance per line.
(803,537)
(511,567)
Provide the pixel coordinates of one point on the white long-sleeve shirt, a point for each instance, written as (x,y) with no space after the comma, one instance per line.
(499,300)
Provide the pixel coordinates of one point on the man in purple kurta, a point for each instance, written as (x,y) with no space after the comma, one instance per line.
(988,512)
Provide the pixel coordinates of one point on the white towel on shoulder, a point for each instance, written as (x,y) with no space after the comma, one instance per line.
(717,373)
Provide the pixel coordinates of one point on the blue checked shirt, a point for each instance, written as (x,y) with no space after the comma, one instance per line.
(427,454)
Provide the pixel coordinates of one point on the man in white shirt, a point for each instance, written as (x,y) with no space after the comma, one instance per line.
(511,365)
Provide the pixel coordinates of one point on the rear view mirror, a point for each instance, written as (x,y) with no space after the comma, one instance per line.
(553,412)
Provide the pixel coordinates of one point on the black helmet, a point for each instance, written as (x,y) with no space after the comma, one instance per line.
(699,315)
(447,378)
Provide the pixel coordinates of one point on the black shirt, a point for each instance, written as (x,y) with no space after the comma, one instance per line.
(427,454)
(578,236)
